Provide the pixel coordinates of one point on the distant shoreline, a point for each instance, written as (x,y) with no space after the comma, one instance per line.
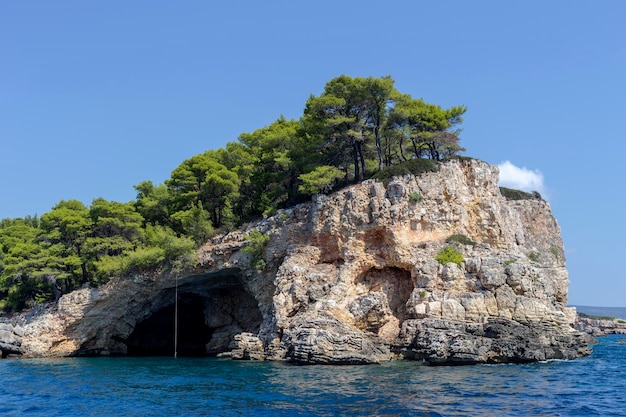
(616,312)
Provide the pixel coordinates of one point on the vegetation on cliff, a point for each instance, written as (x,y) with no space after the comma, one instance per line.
(357,128)
(511,194)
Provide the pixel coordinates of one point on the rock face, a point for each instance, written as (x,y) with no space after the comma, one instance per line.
(350,278)
(10,340)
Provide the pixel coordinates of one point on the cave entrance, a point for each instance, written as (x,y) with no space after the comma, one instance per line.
(208,321)
(155,335)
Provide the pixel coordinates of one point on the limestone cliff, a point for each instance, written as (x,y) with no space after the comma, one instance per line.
(350,278)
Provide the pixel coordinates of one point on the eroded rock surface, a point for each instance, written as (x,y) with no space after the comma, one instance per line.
(352,278)
(10,340)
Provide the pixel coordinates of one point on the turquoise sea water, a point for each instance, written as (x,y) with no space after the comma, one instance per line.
(204,387)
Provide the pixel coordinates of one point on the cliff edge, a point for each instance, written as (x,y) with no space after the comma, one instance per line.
(349,278)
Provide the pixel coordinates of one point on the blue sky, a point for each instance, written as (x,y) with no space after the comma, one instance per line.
(97,96)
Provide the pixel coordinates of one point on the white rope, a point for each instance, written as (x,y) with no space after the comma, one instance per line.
(176,320)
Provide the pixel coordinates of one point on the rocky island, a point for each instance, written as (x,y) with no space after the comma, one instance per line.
(600,326)
(441,268)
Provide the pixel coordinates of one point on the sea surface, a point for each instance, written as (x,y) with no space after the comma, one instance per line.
(163,386)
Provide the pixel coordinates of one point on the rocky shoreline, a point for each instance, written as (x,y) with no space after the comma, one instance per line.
(600,327)
(349,278)
(248,346)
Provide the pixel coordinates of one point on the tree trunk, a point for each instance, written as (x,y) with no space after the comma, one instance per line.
(401,149)
(378,146)
(415,150)
(361,159)
(355,152)
(85,277)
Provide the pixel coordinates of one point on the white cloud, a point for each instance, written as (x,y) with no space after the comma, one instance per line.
(523,179)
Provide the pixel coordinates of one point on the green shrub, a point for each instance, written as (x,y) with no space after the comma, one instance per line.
(554,252)
(511,194)
(449,254)
(415,197)
(411,167)
(163,249)
(256,245)
(460,239)
(533,256)
(178,251)
(143,259)
(509,261)
(422,294)
(460,158)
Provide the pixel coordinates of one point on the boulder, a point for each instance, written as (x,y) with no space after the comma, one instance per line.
(326,340)
(10,340)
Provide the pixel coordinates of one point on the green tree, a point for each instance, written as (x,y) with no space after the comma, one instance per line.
(111,218)
(65,229)
(195,223)
(217,193)
(162,249)
(186,181)
(274,176)
(320,180)
(116,228)
(202,179)
(152,202)
(240,159)
(338,118)
(430,130)
(26,276)
(348,115)
(378,94)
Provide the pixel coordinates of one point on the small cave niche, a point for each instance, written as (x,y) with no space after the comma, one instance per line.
(395,283)
(207,323)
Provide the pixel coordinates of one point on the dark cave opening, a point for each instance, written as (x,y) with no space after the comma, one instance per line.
(208,321)
(155,335)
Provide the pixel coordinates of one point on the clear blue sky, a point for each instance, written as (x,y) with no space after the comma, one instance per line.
(97,96)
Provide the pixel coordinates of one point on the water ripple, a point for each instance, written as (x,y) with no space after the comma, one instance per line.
(592,386)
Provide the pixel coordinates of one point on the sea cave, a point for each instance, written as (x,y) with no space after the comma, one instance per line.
(201,323)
